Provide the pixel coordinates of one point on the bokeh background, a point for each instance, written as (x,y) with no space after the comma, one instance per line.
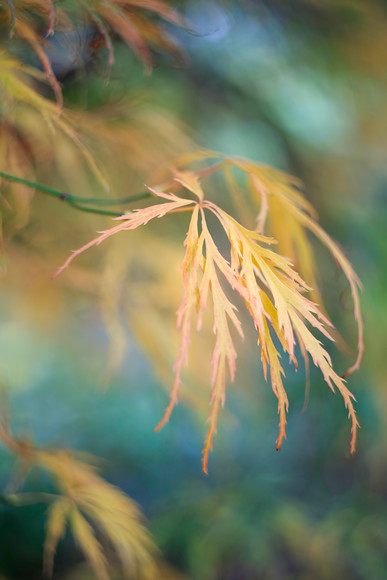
(300,85)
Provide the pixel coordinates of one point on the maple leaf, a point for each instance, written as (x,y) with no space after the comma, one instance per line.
(273,291)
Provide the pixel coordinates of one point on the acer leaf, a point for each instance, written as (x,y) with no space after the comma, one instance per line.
(274,293)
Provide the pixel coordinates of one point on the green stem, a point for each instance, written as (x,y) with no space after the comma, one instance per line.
(79,202)
(95,210)
(76,201)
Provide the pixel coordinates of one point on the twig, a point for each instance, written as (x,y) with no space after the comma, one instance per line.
(79,202)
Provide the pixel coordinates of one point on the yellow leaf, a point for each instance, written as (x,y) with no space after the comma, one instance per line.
(84,536)
(115,515)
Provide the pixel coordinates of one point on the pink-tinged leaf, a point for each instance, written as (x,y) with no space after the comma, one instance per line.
(133,220)
(122,24)
(190,270)
(217,395)
(224,354)
(276,382)
(195,300)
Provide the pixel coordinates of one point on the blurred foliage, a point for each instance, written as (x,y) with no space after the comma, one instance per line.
(299,85)
(82,493)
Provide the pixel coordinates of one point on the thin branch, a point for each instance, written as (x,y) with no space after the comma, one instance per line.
(76,201)
(79,203)
(95,210)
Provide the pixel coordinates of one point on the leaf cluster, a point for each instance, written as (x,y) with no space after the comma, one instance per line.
(272,289)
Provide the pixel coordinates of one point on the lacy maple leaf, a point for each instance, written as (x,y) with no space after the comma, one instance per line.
(273,291)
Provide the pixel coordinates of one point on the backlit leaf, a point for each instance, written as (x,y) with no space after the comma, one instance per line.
(274,292)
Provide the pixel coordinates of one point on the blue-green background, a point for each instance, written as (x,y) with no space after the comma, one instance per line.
(301,86)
